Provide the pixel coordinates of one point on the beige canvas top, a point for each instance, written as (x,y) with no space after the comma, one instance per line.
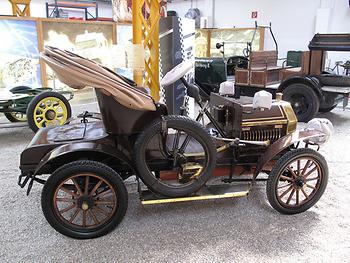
(78,73)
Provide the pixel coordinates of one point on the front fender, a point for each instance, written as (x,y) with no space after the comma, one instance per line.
(282,144)
(86,149)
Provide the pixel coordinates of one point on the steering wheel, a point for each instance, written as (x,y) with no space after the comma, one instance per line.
(177,72)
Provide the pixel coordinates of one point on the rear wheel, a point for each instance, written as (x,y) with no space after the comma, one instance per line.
(48,109)
(84,199)
(175,156)
(297,181)
(304,101)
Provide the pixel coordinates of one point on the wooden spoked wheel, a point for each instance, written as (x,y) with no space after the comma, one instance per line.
(85,200)
(297,181)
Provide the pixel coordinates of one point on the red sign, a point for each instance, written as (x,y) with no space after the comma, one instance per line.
(255,14)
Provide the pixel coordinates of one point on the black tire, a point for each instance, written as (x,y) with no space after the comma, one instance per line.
(73,170)
(334,80)
(279,170)
(32,108)
(196,131)
(303,99)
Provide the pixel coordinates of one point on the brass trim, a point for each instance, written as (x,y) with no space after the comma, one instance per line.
(260,123)
(194,198)
(292,118)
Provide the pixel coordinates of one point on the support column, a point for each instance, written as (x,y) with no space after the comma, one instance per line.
(146,15)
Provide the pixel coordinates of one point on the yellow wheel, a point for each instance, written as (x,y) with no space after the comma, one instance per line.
(16,116)
(48,109)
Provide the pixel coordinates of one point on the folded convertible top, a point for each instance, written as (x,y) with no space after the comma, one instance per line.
(78,72)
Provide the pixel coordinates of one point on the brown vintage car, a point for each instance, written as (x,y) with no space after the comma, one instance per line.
(83,164)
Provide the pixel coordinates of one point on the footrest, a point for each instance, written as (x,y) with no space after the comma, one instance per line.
(205,193)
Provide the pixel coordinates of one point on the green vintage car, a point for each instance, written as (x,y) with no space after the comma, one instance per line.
(40,107)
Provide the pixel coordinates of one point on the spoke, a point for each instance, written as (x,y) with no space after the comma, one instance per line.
(175,147)
(286,178)
(65,200)
(40,106)
(84,218)
(297,197)
(103,193)
(86,189)
(290,196)
(283,186)
(74,215)
(67,208)
(305,167)
(292,172)
(101,202)
(298,167)
(77,186)
(94,217)
(102,211)
(184,144)
(176,140)
(312,179)
(310,186)
(286,192)
(304,193)
(68,192)
(42,121)
(95,187)
(310,172)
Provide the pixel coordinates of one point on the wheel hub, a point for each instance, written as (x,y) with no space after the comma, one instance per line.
(85,202)
(50,115)
(299,183)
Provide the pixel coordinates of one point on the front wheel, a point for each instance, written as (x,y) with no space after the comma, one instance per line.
(84,199)
(48,109)
(297,181)
(304,101)
(175,156)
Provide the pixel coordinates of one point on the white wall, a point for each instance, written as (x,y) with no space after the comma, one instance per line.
(293,22)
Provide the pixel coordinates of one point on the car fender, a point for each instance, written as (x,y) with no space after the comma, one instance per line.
(282,144)
(86,149)
(312,82)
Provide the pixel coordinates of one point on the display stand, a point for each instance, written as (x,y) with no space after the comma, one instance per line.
(72,5)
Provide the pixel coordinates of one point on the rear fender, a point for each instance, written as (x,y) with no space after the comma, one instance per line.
(84,149)
(284,143)
(312,82)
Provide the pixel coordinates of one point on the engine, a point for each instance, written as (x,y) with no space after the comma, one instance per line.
(246,122)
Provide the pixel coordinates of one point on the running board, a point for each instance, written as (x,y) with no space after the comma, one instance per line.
(206,193)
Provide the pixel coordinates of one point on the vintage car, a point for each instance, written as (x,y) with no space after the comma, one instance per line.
(306,85)
(40,107)
(83,164)
(309,88)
